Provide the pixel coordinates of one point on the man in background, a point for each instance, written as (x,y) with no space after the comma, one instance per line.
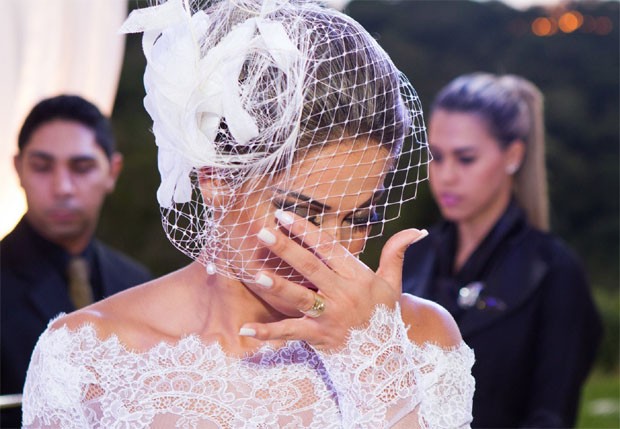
(51,263)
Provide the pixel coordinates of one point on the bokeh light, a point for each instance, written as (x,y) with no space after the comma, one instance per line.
(570,21)
(603,25)
(544,26)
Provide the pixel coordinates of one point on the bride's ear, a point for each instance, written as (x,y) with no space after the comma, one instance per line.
(215,191)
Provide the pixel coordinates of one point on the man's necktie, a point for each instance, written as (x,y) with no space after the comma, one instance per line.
(80,291)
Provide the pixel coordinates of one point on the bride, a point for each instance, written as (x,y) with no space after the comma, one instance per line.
(286,139)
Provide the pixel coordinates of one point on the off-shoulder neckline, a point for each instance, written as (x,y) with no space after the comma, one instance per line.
(266,349)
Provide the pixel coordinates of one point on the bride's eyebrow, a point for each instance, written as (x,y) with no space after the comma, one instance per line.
(305,198)
(369,202)
(377,195)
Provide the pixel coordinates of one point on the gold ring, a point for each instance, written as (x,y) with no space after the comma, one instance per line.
(317,308)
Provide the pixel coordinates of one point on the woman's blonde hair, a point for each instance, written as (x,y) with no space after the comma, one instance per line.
(513,109)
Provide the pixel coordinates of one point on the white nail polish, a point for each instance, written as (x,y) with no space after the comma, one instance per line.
(284,217)
(264,281)
(247,332)
(266,236)
(423,233)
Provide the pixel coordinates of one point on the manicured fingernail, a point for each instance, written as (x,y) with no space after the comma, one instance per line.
(266,236)
(284,218)
(264,280)
(247,332)
(423,233)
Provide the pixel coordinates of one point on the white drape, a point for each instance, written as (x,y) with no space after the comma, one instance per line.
(51,47)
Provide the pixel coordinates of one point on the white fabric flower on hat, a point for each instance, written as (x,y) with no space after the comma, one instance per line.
(190,92)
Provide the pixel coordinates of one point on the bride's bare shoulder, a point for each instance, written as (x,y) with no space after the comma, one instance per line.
(112,315)
(429,322)
(131,315)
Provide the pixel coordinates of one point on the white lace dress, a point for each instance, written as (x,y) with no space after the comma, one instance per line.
(379,380)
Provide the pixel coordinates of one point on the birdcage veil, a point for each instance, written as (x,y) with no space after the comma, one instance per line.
(259,105)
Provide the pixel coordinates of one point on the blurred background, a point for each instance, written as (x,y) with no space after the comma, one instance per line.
(569,49)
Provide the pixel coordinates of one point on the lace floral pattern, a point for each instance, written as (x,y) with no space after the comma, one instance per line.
(379,379)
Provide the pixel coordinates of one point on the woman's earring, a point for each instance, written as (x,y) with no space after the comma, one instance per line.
(210,268)
(512,169)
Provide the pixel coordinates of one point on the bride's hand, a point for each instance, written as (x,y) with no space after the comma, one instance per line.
(348,291)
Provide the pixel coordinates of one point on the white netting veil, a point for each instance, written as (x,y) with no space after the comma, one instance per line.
(265,105)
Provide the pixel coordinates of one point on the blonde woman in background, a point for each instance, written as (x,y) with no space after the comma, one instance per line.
(518,294)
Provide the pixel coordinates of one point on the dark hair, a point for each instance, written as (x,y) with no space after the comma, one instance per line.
(71,108)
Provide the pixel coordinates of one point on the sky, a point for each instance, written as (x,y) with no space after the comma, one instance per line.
(524,4)
(517,4)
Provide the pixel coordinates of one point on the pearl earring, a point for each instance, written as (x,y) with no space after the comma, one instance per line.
(512,169)
(210,268)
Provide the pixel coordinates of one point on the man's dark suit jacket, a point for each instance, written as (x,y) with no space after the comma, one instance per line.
(534,328)
(33,291)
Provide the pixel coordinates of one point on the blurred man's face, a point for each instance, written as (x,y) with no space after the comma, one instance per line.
(66,176)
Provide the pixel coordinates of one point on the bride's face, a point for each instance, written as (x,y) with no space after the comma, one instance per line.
(335,188)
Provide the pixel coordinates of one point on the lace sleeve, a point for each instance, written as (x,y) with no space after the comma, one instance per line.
(381,377)
(55,386)
(446,386)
